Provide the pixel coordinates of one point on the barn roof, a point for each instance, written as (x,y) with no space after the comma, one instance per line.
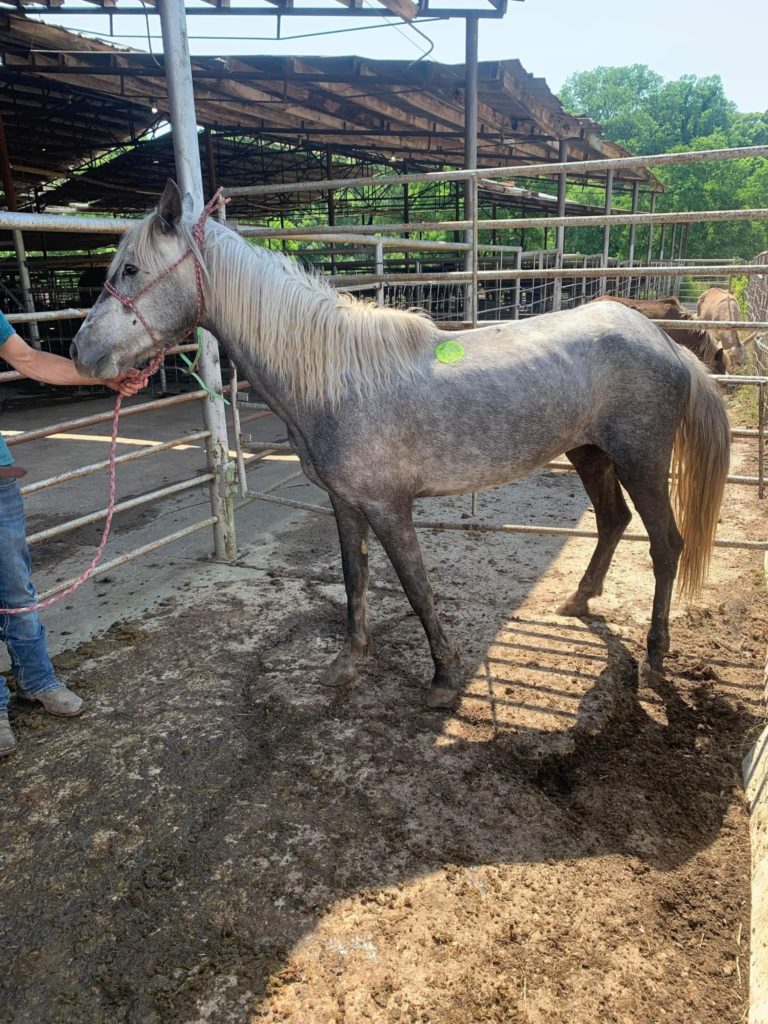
(408,10)
(66,100)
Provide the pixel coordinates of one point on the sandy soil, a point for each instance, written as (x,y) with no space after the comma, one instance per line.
(221,840)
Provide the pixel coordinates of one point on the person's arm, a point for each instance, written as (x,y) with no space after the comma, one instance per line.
(51,369)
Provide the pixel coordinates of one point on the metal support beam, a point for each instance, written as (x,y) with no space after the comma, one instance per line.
(649,255)
(633,233)
(470,142)
(18,238)
(186,150)
(607,228)
(633,227)
(562,180)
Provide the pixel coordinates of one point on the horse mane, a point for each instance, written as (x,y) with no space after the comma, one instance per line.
(702,344)
(319,343)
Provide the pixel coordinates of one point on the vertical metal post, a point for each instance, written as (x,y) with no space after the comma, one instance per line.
(474,254)
(178,73)
(562,178)
(661,241)
(633,233)
(18,238)
(406,213)
(518,265)
(470,162)
(761,440)
(379,261)
(607,228)
(633,227)
(331,202)
(649,256)
(210,161)
(236,428)
(470,148)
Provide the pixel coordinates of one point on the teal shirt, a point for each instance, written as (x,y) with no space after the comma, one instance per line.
(6,459)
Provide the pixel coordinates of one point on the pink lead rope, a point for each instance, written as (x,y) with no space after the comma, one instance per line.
(199,235)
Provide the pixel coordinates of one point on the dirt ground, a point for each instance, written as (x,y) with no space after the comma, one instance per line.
(219,839)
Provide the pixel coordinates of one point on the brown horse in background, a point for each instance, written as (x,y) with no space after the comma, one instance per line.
(719,304)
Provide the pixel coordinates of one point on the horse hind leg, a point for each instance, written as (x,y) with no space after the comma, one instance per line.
(598,475)
(353,536)
(648,487)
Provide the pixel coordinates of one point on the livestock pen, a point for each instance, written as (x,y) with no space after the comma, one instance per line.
(222,839)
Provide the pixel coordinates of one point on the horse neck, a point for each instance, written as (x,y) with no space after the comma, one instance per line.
(312,345)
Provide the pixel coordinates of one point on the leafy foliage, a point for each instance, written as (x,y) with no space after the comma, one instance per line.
(640,110)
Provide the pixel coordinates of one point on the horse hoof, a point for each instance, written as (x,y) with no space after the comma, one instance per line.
(442,698)
(341,672)
(574,606)
(647,676)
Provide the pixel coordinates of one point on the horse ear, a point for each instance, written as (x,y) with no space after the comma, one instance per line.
(170,207)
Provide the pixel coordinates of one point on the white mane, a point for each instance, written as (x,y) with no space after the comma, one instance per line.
(319,343)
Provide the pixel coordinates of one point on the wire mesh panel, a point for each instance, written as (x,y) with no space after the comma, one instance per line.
(757,305)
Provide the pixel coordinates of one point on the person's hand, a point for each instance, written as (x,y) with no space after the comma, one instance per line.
(128,383)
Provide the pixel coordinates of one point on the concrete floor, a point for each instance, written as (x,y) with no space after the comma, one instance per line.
(133,588)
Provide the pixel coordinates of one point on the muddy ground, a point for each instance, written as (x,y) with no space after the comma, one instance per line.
(219,839)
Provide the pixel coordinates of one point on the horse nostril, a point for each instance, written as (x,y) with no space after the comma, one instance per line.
(73,352)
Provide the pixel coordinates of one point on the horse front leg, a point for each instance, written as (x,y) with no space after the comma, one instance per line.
(353,536)
(395,530)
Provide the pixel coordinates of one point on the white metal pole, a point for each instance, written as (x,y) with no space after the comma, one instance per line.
(186,148)
(562,179)
(470,150)
(633,233)
(607,228)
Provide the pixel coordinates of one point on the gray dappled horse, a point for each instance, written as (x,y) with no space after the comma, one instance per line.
(377,420)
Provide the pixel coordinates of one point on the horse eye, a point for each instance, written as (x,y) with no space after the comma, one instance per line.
(129,270)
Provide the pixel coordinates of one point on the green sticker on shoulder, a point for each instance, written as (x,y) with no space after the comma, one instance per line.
(449,352)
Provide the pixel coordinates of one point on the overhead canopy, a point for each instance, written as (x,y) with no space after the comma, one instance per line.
(66,99)
(408,10)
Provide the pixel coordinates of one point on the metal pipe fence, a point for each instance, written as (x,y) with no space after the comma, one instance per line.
(573,279)
(499,282)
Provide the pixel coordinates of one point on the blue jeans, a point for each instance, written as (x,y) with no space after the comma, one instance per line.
(23,635)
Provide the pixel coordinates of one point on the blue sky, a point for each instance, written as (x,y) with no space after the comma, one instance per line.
(551,38)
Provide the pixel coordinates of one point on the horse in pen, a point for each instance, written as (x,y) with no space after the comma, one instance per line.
(383,410)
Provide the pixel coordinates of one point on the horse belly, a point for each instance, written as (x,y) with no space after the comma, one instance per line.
(474,471)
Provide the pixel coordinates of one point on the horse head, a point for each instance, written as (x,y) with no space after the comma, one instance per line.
(152,296)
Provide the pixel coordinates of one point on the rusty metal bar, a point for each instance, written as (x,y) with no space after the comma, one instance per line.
(562,183)
(268,446)
(761,441)
(59,222)
(10,375)
(458,276)
(607,227)
(521,223)
(53,314)
(236,428)
(544,531)
(123,506)
(95,467)
(146,549)
(349,237)
(66,426)
(590,167)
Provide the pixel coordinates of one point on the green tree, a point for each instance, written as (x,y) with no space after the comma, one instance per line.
(638,109)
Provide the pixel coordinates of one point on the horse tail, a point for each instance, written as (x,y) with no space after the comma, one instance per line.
(700,459)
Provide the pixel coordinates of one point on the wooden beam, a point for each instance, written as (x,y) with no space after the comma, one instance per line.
(405,9)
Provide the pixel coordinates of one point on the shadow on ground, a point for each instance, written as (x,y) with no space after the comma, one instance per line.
(220,839)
